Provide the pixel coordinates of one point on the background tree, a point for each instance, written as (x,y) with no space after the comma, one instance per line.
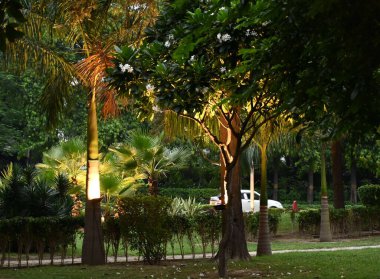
(324,61)
(308,161)
(148,155)
(187,69)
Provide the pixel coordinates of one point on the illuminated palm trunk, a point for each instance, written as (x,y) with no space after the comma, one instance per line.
(325,231)
(93,247)
(263,241)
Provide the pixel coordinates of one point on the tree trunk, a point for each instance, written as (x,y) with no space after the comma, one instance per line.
(233,244)
(310,187)
(354,184)
(252,185)
(337,171)
(153,187)
(325,230)
(263,241)
(93,245)
(275,183)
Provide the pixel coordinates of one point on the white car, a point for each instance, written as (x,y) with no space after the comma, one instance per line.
(246,201)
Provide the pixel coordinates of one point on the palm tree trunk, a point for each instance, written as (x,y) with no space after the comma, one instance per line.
(325,230)
(153,186)
(275,183)
(337,171)
(252,185)
(354,184)
(263,241)
(310,187)
(93,246)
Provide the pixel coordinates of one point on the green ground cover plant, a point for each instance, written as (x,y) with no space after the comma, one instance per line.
(342,264)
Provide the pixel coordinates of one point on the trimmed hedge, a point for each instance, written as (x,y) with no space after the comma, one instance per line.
(370,194)
(252,221)
(40,233)
(201,195)
(352,220)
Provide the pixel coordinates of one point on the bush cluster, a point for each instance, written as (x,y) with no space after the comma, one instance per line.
(201,195)
(252,221)
(370,195)
(40,233)
(352,220)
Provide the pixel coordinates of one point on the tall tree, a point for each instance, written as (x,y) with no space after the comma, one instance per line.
(337,172)
(325,231)
(189,65)
(89,28)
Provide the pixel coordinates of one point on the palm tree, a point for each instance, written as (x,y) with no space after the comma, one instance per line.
(249,160)
(150,157)
(267,134)
(69,159)
(88,29)
(325,231)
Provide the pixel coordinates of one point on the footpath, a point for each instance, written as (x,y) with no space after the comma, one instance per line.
(69,261)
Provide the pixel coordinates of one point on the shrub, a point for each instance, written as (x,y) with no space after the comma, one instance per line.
(112,235)
(252,221)
(51,232)
(309,221)
(370,194)
(200,194)
(351,220)
(144,222)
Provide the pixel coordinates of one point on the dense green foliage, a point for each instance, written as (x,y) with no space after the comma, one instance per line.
(199,194)
(352,220)
(23,194)
(145,224)
(252,221)
(370,195)
(39,233)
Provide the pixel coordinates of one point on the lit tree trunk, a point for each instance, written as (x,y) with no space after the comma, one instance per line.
(252,184)
(275,182)
(310,187)
(263,241)
(354,184)
(93,246)
(233,244)
(325,230)
(337,171)
(153,186)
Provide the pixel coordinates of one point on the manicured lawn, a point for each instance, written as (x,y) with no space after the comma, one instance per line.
(342,264)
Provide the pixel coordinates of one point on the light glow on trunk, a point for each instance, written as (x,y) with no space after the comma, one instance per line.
(93,184)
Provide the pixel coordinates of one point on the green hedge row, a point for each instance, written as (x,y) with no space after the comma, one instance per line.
(252,221)
(40,233)
(352,220)
(200,195)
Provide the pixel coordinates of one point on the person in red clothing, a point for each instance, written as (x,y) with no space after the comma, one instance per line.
(295,206)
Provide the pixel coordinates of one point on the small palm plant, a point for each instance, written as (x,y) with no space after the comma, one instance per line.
(147,155)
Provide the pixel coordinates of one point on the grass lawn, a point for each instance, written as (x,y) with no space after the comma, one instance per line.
(341,264)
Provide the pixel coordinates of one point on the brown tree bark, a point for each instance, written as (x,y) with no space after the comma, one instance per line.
(337,173)
(153,187)
(93,252)
(310,187)
(233,244)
